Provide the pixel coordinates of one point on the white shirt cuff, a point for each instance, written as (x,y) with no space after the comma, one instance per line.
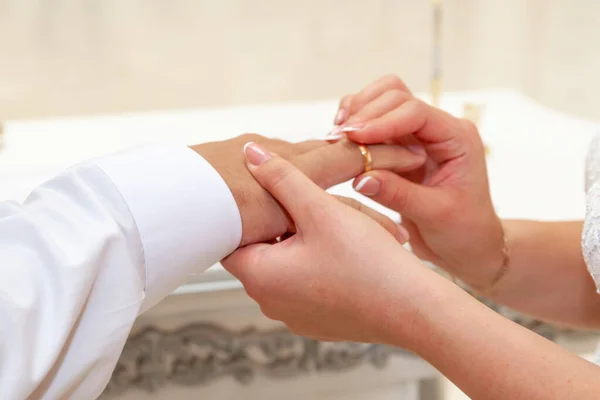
(186,215)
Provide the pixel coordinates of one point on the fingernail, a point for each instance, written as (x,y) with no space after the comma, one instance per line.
(335,134)
(355,127)
(340,116)
(404,235)
(368,186)
(255,154)
(420,150)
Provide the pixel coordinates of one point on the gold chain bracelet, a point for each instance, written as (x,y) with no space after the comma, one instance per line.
(502,270)
(503,267)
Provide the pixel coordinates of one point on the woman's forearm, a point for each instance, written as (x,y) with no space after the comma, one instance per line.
(490,357)
(547,276)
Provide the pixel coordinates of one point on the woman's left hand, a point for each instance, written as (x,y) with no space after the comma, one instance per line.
(341,276)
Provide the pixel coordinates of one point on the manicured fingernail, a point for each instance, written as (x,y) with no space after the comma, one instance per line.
(420,150)
(368,186)
(255,154)
(335,135)
(404,235)
(354,127)
(340,116)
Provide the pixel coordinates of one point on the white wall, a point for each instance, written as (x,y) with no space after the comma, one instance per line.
(71,56)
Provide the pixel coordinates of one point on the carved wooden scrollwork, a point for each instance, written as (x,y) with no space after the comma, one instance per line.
(201,353)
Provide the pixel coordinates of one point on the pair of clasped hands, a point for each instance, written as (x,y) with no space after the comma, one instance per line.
(343,273)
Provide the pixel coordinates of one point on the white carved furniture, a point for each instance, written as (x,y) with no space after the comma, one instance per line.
(209,340)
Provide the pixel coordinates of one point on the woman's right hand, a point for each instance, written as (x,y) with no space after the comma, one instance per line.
(447,208)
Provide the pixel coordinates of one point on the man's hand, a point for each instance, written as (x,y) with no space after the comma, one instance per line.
(326,164)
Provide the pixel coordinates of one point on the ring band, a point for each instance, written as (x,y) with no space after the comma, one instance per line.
(367,158)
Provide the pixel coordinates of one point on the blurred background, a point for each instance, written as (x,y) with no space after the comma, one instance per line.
(84,57)
(66,57)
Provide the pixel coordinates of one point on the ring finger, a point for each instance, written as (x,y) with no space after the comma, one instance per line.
(338,162)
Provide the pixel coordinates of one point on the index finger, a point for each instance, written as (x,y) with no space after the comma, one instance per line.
(374,90)
(430,125)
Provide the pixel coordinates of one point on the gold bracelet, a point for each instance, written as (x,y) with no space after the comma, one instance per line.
(503,267)
(486,291)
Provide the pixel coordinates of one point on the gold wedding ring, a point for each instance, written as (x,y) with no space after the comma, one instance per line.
(367,158)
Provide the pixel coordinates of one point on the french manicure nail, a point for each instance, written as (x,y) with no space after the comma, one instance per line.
(404,235)
(368,186)
(335,134)
(340,116)
(255,154)
(419,150)
(358,126)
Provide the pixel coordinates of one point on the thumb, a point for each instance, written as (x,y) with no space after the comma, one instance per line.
(246,261)
(286,183)
(410,199)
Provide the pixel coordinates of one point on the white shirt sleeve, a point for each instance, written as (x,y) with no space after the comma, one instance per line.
(91,249)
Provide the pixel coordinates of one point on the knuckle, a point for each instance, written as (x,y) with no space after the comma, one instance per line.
(418,106)
(469,126)
(417,111)
(346,101)
(317,213)
(472,133)
(399,198)
(398,96)
(393,80)
(278,174)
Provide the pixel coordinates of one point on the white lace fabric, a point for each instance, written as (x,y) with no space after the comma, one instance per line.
(590,241)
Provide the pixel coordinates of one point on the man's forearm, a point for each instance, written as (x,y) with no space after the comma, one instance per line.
(91,249)
(547,276)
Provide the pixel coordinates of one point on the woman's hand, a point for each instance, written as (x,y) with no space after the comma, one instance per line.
(446,207)
(340,277)
(343,277)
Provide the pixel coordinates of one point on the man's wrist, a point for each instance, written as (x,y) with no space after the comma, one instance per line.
(209,151)
(262,218)
(224,165)
(185,215)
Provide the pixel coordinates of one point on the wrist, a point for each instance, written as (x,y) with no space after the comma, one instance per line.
(487,263)
(416,297)
(216,154)
(436,306)
(262,218)
(210,152)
